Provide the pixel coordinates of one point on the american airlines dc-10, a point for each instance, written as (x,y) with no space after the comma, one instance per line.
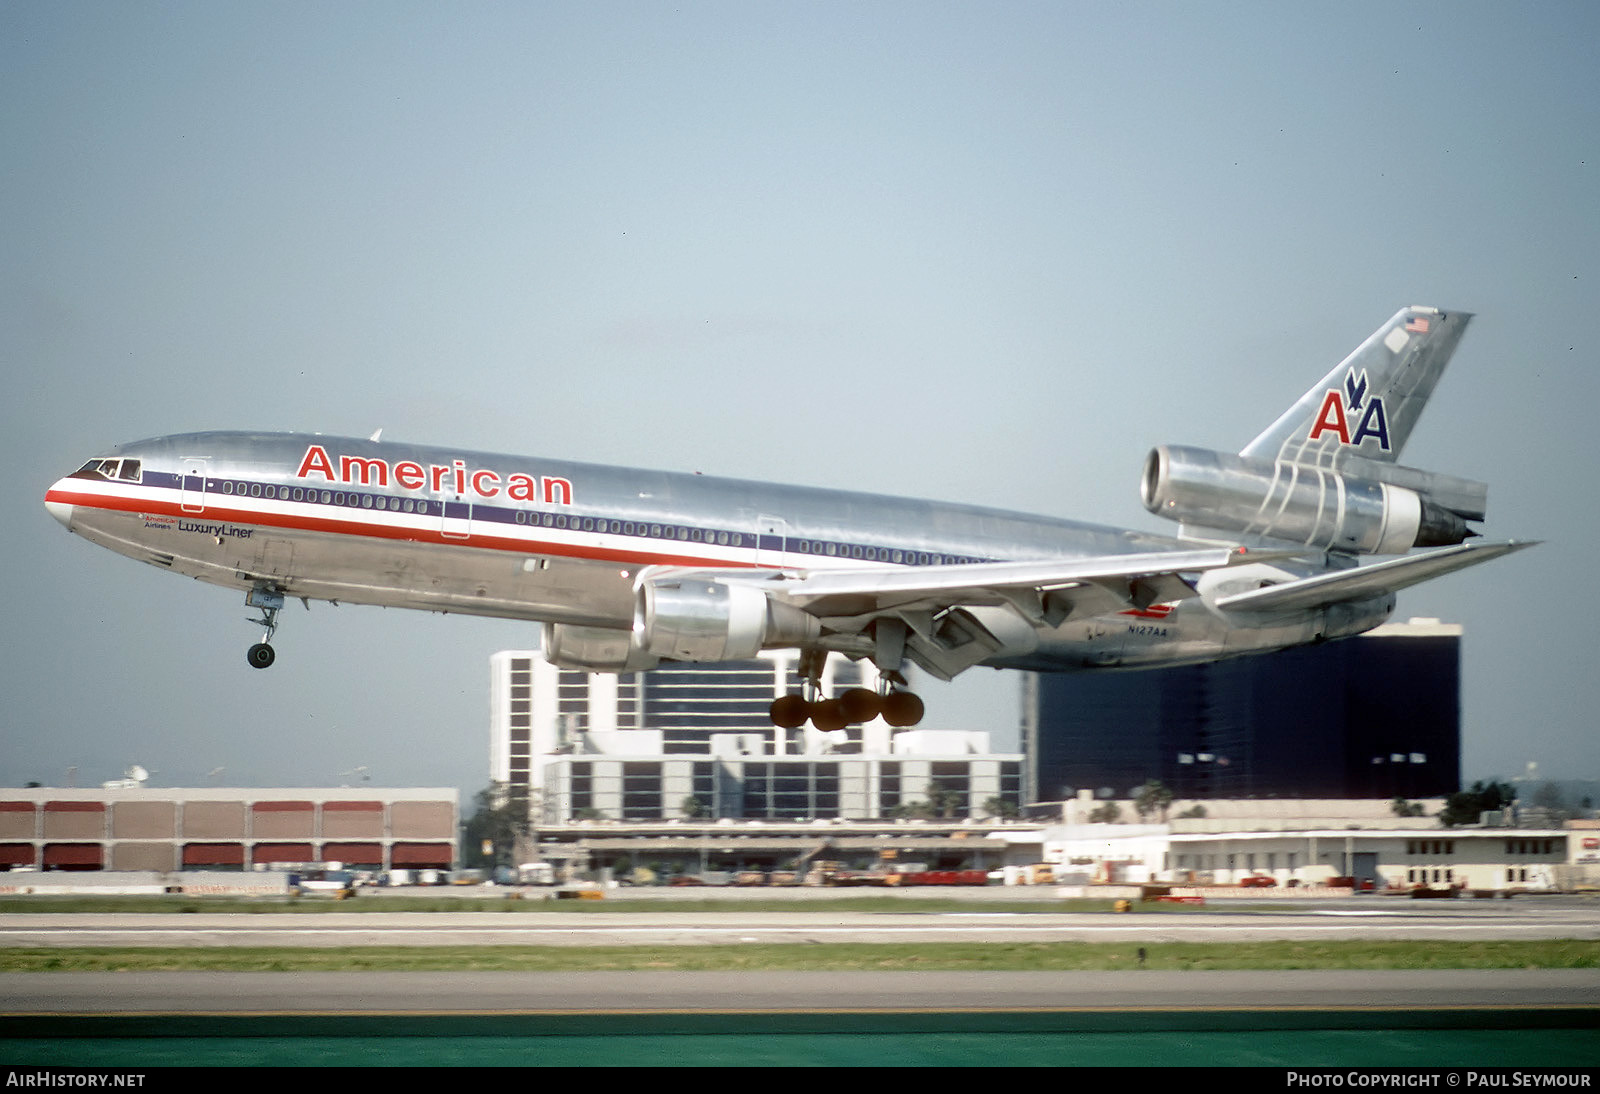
(629,568)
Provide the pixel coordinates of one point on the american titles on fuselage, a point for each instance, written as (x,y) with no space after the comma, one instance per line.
(317,464)
(439,478)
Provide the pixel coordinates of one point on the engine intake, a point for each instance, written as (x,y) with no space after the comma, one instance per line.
(1317,507)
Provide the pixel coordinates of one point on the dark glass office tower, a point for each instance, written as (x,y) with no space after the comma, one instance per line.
(1371,717)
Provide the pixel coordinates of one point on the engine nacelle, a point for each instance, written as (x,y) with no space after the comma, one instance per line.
(1318,507)
(697,619)
(683,619)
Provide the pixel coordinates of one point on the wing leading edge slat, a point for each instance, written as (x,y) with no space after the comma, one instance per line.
(954,583)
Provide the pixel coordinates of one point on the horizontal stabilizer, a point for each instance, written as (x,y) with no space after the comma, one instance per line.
(1366,581)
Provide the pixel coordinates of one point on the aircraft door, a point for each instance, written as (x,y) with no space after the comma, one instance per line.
(456,516)
(192,491)
(772,540)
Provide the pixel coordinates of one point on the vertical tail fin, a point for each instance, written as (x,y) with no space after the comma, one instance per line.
(1368,405)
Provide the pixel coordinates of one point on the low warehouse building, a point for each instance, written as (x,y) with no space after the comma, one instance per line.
(46,828)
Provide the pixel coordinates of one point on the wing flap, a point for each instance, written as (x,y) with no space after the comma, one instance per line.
(1366,581)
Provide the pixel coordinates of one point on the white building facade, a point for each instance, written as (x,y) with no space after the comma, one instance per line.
(687,741)
(1310,843)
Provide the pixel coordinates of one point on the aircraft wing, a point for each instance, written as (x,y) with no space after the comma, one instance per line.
(947,618)
(836,592)
(1366,581)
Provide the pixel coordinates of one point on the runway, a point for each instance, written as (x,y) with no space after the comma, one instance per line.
(1503,1017)
(1551,918)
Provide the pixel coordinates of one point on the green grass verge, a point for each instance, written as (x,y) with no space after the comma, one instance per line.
(1047,956)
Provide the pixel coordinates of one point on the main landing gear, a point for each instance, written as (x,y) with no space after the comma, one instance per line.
(261,655)
(897,706)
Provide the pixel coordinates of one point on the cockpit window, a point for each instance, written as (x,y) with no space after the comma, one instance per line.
(125,470)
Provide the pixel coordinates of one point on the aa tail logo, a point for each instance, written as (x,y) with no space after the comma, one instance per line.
(1339,408)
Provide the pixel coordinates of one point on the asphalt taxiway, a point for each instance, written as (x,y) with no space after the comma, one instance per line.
(665,992)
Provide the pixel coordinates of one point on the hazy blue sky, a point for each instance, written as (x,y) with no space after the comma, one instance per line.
(986,253)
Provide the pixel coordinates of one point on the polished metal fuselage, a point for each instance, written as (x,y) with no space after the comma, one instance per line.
(398,525)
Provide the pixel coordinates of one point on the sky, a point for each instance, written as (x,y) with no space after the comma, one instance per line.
(985,253)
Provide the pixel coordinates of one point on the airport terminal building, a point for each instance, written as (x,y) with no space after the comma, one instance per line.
(1304,844)
(694,742)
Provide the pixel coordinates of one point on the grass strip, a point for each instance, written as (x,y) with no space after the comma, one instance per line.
(993,957)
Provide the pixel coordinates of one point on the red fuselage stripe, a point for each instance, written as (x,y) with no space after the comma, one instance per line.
(254,519)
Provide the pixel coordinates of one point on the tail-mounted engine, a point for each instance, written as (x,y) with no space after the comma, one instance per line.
(684,619)
(1363,507)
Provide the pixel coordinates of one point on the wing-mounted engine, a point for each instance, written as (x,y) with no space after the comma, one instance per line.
(1363,507)
(695,618)
(684,618)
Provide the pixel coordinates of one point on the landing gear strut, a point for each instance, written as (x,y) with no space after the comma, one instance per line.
(897,706)
(261,655)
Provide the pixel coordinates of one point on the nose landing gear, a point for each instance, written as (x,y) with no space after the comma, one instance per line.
(270,601)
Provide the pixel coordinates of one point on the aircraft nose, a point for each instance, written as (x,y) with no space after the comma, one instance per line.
(61,510)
